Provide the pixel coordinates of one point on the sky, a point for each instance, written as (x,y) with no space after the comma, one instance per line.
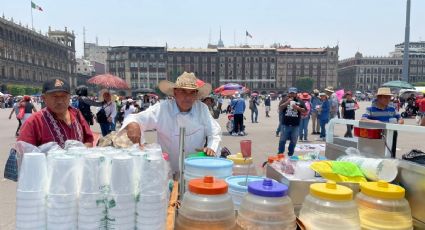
(371,27)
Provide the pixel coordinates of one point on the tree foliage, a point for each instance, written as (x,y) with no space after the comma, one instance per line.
(304,84)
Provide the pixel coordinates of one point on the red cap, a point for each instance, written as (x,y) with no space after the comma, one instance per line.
(208,186)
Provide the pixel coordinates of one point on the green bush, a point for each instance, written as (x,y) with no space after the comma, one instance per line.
(304,84)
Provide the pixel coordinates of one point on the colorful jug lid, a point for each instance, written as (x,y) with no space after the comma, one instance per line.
(198,154)
(331,191)
(208,162)
(267,188)
(208,185)
(382,189)
(238,183)
(238,159)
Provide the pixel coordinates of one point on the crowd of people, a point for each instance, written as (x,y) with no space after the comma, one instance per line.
(190,104)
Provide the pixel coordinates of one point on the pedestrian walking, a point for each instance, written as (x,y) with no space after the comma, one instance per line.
(106,113)
(15,110)
(253,103)
(315,103)
(324,115)
(238,107)
(348,111)
(267,103)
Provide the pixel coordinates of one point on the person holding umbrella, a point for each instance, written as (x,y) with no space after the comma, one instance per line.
(105,115)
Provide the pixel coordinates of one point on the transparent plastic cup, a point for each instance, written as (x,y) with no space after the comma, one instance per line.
(93,177)
(33,172)
(35,217)
(30,203)
(122,175)
(62,212)
(31,224)
(303,170)
(25,195)
(63,226)
(63,175)
(21,210)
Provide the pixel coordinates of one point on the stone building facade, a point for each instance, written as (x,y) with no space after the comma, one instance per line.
(258,68)
(29,58)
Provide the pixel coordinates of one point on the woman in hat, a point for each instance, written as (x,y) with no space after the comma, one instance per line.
(305,116)
(169,115)
(324,113)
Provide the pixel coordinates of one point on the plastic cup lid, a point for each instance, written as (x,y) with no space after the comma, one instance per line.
(238,183)
(239,159)
(382,189)
(208,186)
(267,188)
(331,191)
(208,162)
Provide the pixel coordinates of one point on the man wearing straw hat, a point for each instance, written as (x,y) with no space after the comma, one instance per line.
(169,115)
(380,111)
(58,122)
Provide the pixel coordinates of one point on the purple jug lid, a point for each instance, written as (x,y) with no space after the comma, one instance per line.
(267,188)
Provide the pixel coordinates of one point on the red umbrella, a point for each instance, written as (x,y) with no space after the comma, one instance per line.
(108,81)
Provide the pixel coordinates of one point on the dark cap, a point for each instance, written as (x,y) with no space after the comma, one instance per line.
(292,90)
(55,85)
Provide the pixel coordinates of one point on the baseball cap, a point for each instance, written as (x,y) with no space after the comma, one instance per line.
(55,85)
(292,90)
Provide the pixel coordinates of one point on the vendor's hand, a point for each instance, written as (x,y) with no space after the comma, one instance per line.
(209,151)
(401,121)
(133,132)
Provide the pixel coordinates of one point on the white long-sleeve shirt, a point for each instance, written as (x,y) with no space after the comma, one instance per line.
(167,119)
(110,110)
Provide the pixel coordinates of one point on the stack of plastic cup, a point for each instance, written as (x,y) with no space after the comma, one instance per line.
(121,201)
(153,195)
(91,203)
(62,194)
(30,196)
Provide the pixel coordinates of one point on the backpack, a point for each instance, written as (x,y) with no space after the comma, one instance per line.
(85,111)
(307,109)
(101,116)
(251,104)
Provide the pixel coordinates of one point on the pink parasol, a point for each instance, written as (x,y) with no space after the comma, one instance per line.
(108,81)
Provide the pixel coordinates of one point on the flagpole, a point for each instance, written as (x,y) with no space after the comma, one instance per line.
(32,20)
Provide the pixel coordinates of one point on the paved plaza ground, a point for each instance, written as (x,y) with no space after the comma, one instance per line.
(262,134)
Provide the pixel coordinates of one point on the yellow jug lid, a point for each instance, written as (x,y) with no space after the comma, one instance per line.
(382,189)
(331,191)
(238,159)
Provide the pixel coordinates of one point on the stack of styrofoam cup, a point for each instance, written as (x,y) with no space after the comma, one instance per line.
(30,196)
(121,200)
(91,203)
(152,199)
(62,194)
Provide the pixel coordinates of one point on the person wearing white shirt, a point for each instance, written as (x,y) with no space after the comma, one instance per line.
(128,108)
(169,115)
(110,110)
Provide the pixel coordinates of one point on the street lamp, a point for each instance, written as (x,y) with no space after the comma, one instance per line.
(405,73)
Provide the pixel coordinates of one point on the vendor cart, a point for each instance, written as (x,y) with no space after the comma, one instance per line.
(411,175)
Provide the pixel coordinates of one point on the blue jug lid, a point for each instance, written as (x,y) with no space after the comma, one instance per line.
(267,188)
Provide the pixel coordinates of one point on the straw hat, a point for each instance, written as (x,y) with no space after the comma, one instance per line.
(384,92)
(330,89)
(323,94)
(185,81)
(316,91)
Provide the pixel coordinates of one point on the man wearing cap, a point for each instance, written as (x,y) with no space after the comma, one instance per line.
(292,110)
(333,100)
(380,111)
(169,115)
(58,122)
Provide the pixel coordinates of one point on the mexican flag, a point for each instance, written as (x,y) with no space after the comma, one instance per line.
(35,6)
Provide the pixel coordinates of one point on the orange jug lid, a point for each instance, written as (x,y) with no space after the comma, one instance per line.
(208,185)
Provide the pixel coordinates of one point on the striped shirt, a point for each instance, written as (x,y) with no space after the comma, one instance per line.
(383,115)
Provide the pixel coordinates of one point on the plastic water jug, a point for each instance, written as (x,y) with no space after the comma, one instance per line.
(266,206)
(206,205)
(242,166)
(383,206)
(238,187)
(329,207)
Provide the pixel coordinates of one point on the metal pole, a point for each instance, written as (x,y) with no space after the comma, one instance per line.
(405,73)
(32,21)
(181,160)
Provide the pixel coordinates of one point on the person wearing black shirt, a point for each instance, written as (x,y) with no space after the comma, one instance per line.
(84,103)
(348,110)
(292,110)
